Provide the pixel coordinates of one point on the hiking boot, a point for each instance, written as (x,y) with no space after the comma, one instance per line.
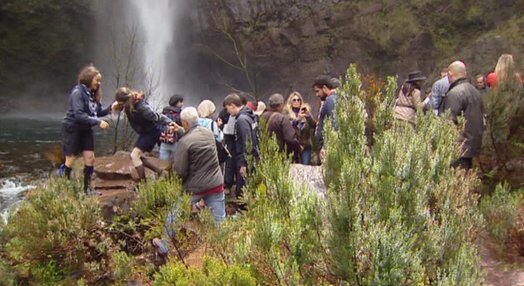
(162,246)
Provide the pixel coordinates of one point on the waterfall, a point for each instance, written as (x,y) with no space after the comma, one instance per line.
(156,19)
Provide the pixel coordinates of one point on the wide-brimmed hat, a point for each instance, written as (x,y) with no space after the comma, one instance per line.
(416,75)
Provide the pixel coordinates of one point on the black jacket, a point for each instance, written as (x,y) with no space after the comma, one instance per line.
(144,120)
(463,99)
(173,113)
(83,109)
(246,128)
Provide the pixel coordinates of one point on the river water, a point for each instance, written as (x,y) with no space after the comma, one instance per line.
(24,145)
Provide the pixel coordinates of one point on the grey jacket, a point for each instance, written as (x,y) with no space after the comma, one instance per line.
(197,161)
(463,99)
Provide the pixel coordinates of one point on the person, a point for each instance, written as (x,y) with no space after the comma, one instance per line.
(409,98)
(145,122)
(168,138)
(227,124)
(246,130)
(481,84)
(206,109)
(198,167)
(439,90)
(261,107)
(463,99)
(277,123)
(325,91)
(503,70)
(299,113)
(85,110)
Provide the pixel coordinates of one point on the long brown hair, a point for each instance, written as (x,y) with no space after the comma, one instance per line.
(125,95)
(86,76)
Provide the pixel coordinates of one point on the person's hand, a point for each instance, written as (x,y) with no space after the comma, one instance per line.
(103,124)
(243,171)
(322,154)
(306,113)
(173,127)
(115,107)
(220,122)
(301,148)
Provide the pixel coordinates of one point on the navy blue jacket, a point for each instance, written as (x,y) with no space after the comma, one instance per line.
(83,109)
(327,111)
(144,119)
(246,128)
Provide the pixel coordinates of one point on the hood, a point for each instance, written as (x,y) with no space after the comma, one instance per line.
(173,109)
(247,111)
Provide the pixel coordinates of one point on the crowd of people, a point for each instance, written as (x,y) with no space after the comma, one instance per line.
(213,157)
(455,93)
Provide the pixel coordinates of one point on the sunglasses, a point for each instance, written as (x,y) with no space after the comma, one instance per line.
(296,99)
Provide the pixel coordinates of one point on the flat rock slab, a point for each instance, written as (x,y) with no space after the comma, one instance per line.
(121,167)
(100,184)
(310,177)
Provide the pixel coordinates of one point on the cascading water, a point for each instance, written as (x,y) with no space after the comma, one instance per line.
(156,18)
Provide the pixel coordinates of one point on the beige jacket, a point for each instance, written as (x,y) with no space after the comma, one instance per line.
(406,106)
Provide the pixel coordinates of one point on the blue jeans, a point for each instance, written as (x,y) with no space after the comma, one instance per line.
(216,203)
(167,151)
(306,156)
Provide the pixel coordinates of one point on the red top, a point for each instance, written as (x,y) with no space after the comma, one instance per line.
(492,80)
(215,190)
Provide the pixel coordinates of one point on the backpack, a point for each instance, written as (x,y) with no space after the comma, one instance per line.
(167,136)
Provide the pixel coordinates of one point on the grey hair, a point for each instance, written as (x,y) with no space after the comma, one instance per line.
(190,115)
(276,100)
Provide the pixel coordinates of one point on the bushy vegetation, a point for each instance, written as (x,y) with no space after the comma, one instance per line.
(393,213)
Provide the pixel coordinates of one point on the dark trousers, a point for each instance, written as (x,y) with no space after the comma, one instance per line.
(464,163)
(231,170)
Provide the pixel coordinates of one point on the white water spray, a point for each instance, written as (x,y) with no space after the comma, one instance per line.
(157,20)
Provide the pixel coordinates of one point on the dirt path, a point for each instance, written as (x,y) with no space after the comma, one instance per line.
(499,273)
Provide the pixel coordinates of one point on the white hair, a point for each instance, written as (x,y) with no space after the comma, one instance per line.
(190,115)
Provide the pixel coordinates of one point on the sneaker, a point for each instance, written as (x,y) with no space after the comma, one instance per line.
(61,170)
(162,246)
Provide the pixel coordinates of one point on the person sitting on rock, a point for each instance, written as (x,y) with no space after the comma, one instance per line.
(145,122)
(168,138)
(198,167)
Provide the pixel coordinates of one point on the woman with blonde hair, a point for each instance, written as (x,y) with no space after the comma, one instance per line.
(300,115)
(206,109)
(503,70)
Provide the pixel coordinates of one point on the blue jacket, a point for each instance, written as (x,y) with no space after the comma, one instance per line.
(327,111)
(83,109)
(144,119)
(213,126)
(439,90)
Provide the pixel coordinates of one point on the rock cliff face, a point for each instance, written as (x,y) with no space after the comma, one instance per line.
(286,43)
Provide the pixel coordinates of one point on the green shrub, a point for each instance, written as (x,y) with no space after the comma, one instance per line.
(502,213)
(57,233)
(213,273)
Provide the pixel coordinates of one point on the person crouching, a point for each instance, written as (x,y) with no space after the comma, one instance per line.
(145,122)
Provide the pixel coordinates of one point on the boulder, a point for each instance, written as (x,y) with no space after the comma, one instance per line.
(309,177)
